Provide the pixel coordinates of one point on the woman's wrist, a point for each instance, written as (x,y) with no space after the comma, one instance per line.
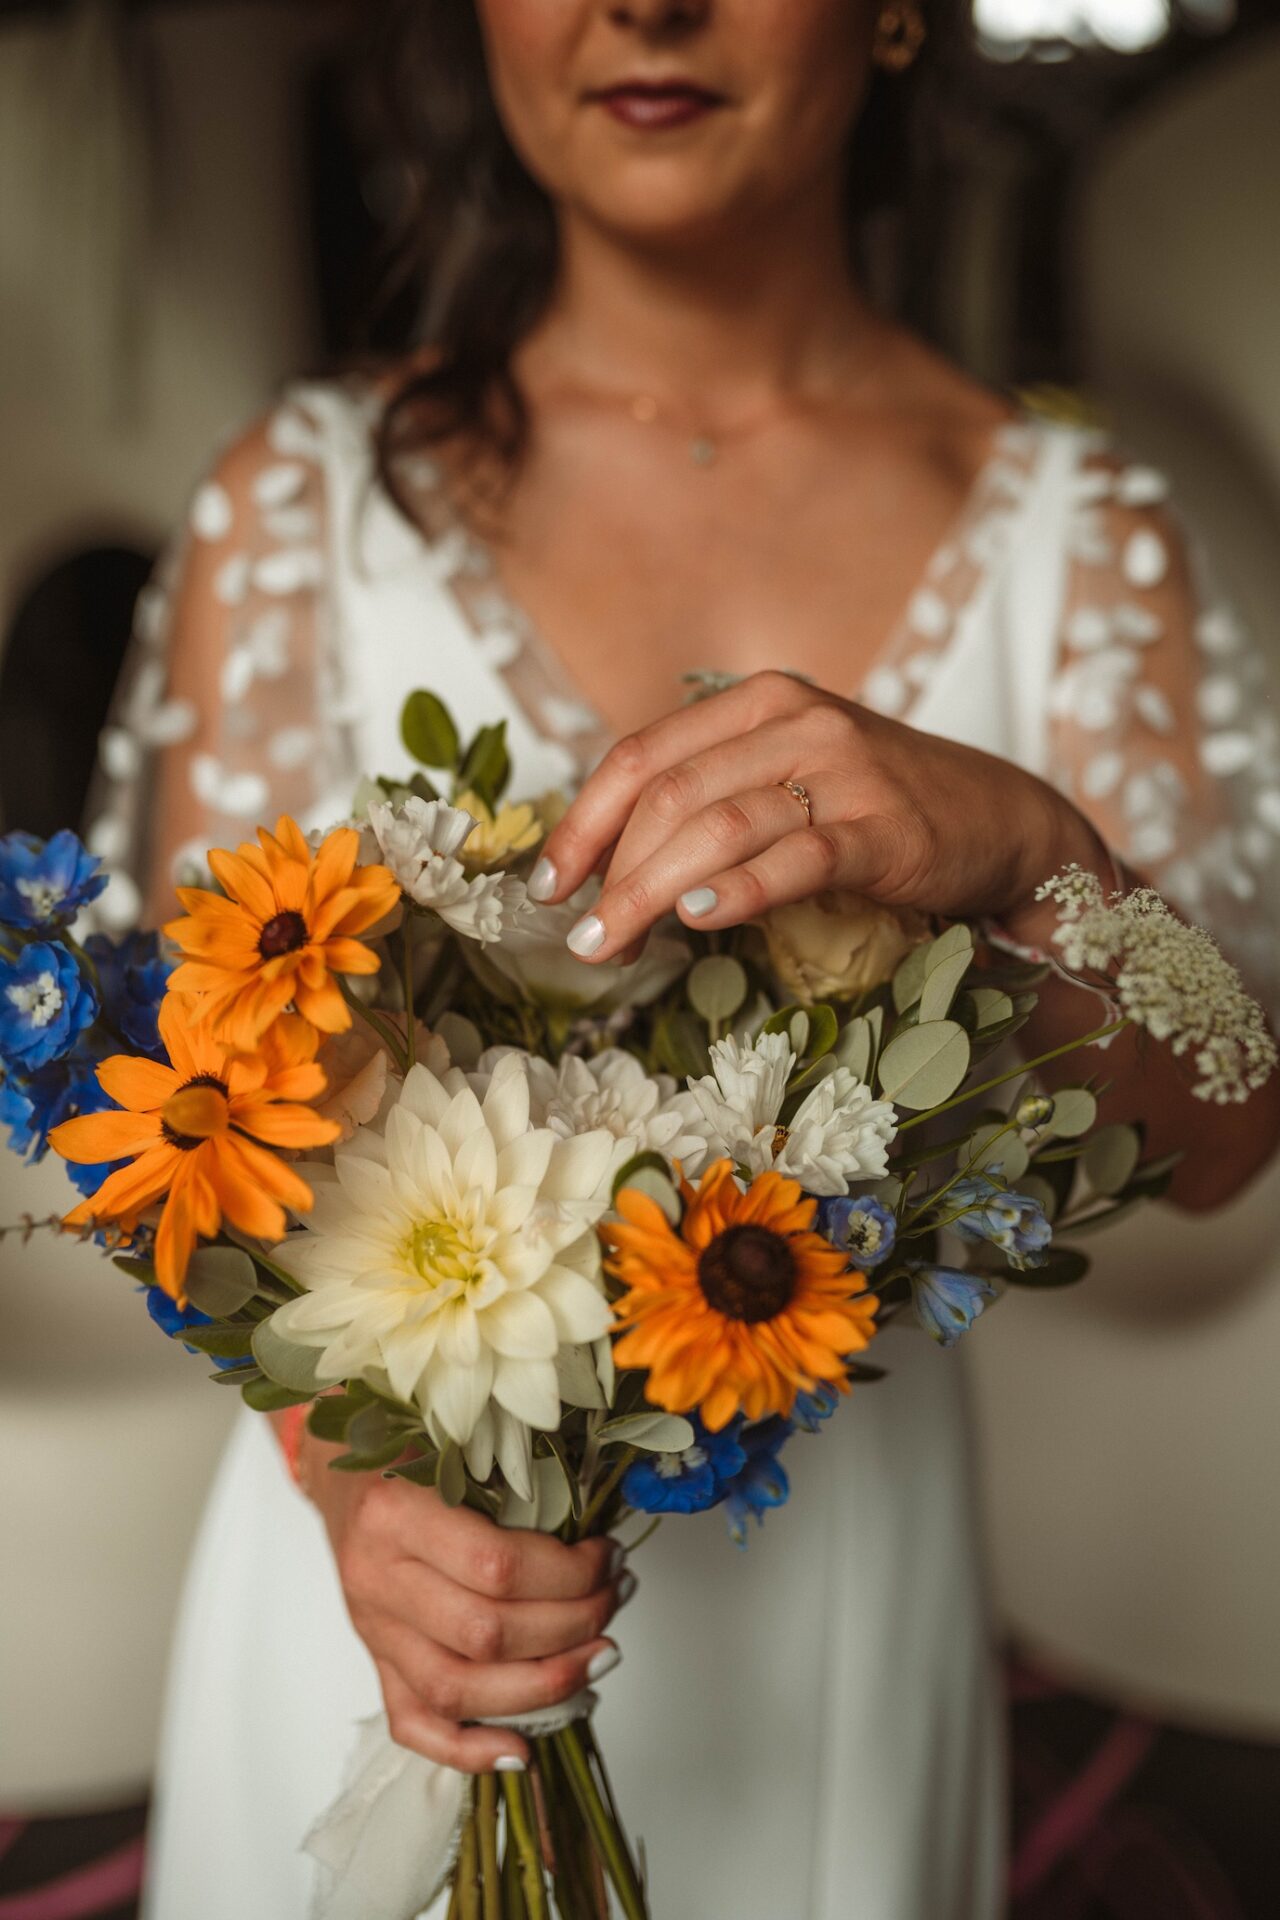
(1073,841)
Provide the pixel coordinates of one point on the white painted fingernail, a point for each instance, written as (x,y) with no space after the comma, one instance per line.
(587,937)
(510,1763)
(603,1662)
(543,880)
(626,1587)
(617,1558)
(699,901)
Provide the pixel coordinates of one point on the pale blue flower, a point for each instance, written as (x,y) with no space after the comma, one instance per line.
(862,1228)
(45,1005)
(1011,1221)
(947,1302)
(44,882)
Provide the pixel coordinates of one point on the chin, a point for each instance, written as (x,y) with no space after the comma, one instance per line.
(665,204)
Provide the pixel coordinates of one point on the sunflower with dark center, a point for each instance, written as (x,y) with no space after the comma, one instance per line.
(741,1307)
(281,933)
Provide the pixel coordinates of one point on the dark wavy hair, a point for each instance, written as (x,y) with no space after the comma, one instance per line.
(477,234)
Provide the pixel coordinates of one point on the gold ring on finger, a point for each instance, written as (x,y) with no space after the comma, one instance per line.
(801,794)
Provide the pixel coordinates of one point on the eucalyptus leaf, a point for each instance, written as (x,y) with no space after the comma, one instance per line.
(549,1508)
(1037,1188)
(421,1471)
(1111,1158)
(1104,1216)
(577,1379)
(798,1032)
(681,1044)
(942,983)
(781,1021)
(331,1416)
(427,729)
(995,1145)
(462,1037)
(220,1280)
(717,987)
(823,1028)
(909,978)
(451,1475)
(265,1396)
(236,1376)
(369,1462)
(657,1186)
(991,1006)
(222,1341)
(285,1362)
(924,1066)
(948,946)
(854,1048)
(143,1271)
(373,1428)
(556,1449)
(1074,1112)
(651,1432)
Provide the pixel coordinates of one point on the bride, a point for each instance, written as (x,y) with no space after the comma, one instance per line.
(660,428)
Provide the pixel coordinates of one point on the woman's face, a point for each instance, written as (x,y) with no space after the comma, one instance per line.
(668,120)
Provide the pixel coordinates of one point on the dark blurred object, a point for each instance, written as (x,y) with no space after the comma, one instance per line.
(61,657)
(82,1867)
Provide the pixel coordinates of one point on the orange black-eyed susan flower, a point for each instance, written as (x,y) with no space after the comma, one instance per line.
(198,1135)
(742,1306)
(286,928)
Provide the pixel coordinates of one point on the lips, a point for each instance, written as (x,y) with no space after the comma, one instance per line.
(655,106)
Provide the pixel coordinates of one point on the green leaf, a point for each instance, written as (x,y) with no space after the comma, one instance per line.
(486,768)
(652,1432)
(222,1342)
(956,940)
(1111,1158)
(578,1380)
(908,981)
(264,1396)
(369,1462)
(462,1037)
(1062,1269)
(220,1280)
(717,987)
(331,1416)
(649,1162)
(996,1145)
(924,1066)
(373,1428)
(1074,1112)
(823,1028)
(451,1475)
(863,1374)
(556,1448)
(421,1471)
(427,729)
(235,1376)
(1039,1189)
(942,982)
(681,1044)
(287,1363)
(143,1271)
(798,1032)
(991,1006)
(855,1047)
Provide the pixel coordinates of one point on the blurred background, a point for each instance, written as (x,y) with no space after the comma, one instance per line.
(193,207)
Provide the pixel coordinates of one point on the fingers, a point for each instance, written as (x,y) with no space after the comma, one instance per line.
(724,835)
(477,1628)
(454,1689)
(496,1562)
(852,857)
(467,1749)
(602,809)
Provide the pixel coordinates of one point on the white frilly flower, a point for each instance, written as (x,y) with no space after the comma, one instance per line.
(420,841)
(611,1090)
(449,1259)
(839,1133)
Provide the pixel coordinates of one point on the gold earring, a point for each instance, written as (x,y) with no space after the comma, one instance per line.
(900,32)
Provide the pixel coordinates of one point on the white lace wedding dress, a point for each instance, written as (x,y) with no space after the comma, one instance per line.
(809,1731)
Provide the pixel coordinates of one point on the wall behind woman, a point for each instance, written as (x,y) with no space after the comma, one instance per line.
(155,285)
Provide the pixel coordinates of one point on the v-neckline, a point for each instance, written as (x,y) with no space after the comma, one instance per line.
(960,566)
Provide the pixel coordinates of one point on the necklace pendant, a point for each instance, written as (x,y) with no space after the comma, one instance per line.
(703,450)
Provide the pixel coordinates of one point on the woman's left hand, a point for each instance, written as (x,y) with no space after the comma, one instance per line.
(690,814)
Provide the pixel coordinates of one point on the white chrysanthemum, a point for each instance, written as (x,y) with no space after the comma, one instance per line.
(613,1091)
(839,1133)
(451,1257)
(420,842)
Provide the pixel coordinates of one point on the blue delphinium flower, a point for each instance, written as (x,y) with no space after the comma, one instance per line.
(862,1228)
(17,1113)
(811,1409)
(947,1302)
(762,1481)
(45,1005)
(173,1319)
(44,882)
(32,1105)
(1011,1221)
(687,1482)
(132,976)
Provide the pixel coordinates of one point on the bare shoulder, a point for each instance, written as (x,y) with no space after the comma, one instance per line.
(950,417)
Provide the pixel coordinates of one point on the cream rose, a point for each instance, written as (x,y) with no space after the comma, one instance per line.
(835,946)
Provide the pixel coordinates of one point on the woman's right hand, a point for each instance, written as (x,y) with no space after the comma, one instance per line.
(463,1618)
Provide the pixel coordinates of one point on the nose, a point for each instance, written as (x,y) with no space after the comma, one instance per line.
(660,16)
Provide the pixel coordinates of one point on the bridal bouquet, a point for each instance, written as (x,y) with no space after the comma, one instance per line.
(575,1246)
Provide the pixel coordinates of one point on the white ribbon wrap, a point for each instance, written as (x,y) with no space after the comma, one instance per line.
(389,1841)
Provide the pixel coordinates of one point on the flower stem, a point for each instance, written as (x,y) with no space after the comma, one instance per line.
(468,1887)
(410,1036)
(1014,1073)
(487,1829)
(383,1028)
(518,1795)
(595,1506)
(610,1844)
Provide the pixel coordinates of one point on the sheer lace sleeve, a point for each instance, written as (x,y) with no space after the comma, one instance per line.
(231,707)
(1164,727)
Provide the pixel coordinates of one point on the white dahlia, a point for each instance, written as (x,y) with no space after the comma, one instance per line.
(420,841)
(451,1257)
(840,1131)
